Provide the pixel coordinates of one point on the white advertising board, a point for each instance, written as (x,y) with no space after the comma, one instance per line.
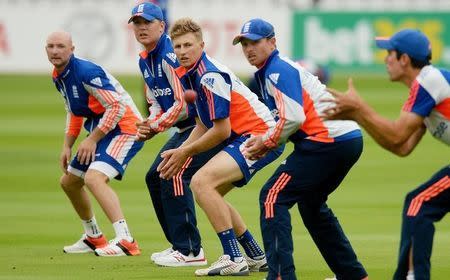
(101,33)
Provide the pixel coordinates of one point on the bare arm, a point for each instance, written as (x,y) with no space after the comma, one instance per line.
(211,138)
(174,159)
(399,136)
(66,152)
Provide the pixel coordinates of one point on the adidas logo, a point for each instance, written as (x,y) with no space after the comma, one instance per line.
(172,57)
(209,82)
(274,77)
(146,74)
(97,81)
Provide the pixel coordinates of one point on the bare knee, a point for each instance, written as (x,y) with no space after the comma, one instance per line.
(94,178)
(70,182)
(202,184)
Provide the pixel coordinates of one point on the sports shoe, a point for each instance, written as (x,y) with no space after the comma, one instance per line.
(164,253)
(119,247)
(176,259)
(257,265)
(86,244)
(333,278)
(225,266)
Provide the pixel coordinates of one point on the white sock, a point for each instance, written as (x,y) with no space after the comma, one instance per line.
(121,229)
(410,275)
(91,228)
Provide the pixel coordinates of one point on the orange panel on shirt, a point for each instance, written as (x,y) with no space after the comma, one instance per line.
(95,105)
(444,108)
(313,125)
(128,122)
(75,124)
(243,118)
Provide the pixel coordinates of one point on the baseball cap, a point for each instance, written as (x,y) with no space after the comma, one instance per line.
(410,41)
(147,10)
(254,30)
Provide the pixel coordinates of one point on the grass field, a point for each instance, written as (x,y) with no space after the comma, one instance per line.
(36,219)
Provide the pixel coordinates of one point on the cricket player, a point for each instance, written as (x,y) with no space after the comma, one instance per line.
(427,108)
(172,199)
(92,95)
(226,111)
(324,153)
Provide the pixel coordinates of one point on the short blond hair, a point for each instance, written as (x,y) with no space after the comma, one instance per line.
(184,26)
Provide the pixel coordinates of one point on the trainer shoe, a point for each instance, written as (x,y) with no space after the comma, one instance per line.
(333,278)
(119,247)
(176,259)
(257,265)
(164,253)
(86,244)
(225,266)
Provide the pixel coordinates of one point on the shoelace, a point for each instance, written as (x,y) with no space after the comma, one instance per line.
(221,259)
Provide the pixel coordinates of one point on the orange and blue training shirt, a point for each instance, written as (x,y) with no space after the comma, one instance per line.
(90,92)
(294,97)
(220,94)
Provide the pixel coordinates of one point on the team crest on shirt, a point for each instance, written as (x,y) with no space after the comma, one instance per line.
(172,57)
(274,77)
(97,81)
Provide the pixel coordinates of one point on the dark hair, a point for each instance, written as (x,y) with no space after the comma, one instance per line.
(414,62)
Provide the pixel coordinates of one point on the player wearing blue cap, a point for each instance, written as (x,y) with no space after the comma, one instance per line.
(427,108)
(324,151)
(226,111)
(172,199)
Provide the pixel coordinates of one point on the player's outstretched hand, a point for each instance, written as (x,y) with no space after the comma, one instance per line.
(173,161)
(255,148)
(344,106)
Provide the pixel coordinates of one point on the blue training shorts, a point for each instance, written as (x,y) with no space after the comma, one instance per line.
(249,167)
(113,153)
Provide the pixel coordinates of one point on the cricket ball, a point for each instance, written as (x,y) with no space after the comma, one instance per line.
(190,96)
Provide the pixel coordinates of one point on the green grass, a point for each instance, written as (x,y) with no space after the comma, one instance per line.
(37,219)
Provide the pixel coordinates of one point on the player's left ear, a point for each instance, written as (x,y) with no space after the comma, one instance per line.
(404,60)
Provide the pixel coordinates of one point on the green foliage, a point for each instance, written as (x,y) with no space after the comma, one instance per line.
(37,219)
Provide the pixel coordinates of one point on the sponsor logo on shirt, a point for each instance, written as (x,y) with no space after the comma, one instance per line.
(274,113)
(146,74)
(161,92)
(440,130)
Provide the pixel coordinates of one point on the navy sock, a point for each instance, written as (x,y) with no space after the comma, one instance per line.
(250,246)
(230,244)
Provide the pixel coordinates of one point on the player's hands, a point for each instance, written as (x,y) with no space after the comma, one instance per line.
(344,106)
(145,132)
(64,158)
(86,151)
(255,148)
(173,161)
